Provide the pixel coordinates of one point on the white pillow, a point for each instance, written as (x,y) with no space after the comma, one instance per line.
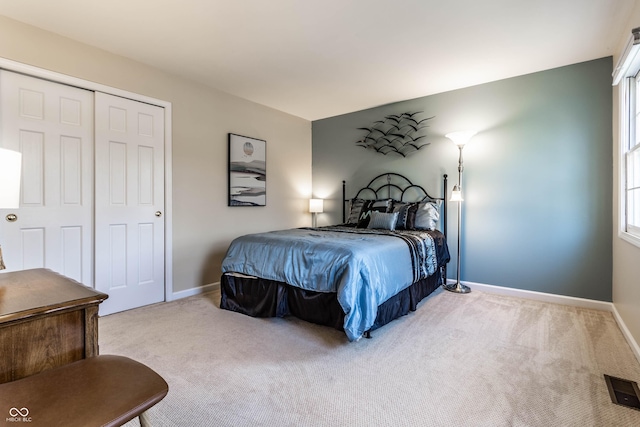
(427,216)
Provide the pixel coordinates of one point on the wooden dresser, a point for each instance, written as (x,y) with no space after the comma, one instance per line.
(46,320)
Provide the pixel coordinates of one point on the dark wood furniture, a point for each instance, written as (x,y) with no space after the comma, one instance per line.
(103,391)
(46,320)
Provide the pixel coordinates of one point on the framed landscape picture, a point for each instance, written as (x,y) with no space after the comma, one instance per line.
(247,171)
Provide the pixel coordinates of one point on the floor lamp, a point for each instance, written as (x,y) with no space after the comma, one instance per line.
(459,139)
(10,164)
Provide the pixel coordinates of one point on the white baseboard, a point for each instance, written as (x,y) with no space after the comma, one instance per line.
(627,334)
(564,300)
(540,296)
(194,291)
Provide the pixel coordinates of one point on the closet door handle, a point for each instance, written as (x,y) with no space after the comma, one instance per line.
(11,217)
(158,214)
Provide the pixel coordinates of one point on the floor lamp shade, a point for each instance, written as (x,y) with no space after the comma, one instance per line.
(462,137)
(456,194)
(10,165)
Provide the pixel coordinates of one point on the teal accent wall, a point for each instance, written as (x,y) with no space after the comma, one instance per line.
(537,177)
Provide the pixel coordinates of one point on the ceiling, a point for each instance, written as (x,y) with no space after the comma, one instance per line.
(320,58)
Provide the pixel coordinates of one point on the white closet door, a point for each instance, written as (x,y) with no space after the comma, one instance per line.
(52,126)
(129,221)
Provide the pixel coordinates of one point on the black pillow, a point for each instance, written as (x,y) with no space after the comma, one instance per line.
(406,215)
(372,205)
(355,209)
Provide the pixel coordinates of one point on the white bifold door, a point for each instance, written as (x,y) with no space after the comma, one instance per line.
(52,126)
(92,191)
(129,200)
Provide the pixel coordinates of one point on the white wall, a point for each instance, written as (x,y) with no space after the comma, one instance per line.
(203,225)
(626,257)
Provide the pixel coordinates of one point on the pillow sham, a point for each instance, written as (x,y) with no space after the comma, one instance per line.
(427,215)
(406,214)
(355,208)
(381,220)
(372,206)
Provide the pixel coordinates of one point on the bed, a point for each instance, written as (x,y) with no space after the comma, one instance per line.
(389,253)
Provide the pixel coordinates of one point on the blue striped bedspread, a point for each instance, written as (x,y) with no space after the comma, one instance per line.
(363,267)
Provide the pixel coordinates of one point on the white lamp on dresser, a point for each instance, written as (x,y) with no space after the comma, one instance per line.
(10,166)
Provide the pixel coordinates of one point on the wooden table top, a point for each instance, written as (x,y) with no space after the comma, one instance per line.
(29,293)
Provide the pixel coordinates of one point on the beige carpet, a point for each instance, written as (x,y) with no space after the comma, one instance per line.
(460,360)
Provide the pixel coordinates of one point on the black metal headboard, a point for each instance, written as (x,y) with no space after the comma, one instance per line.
(395,186)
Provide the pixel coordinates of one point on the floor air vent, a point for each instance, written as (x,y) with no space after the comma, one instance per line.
(623,392)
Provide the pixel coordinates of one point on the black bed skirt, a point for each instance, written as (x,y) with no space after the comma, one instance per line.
(258,297)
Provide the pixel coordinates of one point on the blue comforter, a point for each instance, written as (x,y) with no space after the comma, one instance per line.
(363,267)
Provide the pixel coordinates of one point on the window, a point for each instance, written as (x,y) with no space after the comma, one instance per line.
(632,162)
(627,77)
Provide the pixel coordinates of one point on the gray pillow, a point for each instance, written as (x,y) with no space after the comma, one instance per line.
(385,221)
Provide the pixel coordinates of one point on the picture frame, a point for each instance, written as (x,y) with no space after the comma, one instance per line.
(247,169)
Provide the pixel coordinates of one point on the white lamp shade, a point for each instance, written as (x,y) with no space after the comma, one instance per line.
(10,164)
(462,137)
(456,194)
(316,205)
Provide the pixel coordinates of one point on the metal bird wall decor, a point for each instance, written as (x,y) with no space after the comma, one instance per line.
(397,133)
